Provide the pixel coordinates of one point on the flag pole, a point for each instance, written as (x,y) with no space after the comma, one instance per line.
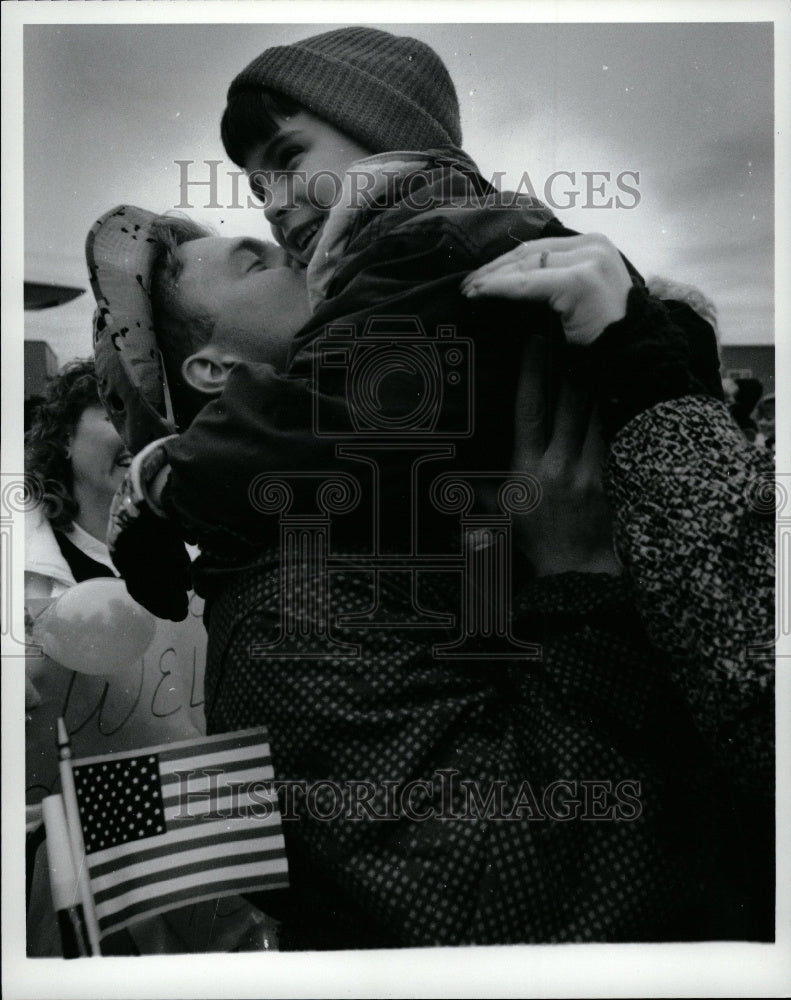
(63,880)
(75,836)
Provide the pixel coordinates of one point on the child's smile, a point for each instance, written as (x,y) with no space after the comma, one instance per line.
(301,240)
(298,175)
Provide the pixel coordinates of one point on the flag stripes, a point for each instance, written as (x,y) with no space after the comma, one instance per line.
(202,857)
(189,748)
(173,781)
(165,826)
(193,784)
(253,758)
(106,861)
(230,803)
(171,900)
(180,874)
(233,743)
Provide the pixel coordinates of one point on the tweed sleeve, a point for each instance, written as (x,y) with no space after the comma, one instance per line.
(697,541)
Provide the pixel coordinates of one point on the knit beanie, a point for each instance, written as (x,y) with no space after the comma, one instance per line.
(385,91)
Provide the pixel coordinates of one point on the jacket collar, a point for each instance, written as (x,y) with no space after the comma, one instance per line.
(385,170)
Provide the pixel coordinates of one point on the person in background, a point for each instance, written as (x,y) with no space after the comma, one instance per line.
(748,394)
(78,461)
(765,418)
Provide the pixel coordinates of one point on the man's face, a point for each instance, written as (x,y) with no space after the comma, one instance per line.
(307,159)
(258,300)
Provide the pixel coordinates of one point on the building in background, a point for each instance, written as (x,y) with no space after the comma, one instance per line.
(742,361)
(41,364)
(57,317)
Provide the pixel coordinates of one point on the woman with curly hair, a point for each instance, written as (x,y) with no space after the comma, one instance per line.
(78,461)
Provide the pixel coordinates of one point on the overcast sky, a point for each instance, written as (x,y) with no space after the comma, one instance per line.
(683,111)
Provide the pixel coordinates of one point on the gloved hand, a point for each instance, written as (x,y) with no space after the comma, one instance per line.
(144,545)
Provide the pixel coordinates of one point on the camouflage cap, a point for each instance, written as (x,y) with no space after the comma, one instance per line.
(120,253)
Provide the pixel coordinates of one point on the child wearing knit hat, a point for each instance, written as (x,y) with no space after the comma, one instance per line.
(384,91)
(337,128)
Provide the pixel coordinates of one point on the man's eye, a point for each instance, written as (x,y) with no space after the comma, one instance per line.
(254,262)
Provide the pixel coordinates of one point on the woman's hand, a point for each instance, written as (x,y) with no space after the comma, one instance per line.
(557,440)
(583,278)
(557,437)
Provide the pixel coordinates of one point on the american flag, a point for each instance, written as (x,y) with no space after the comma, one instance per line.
(179,823)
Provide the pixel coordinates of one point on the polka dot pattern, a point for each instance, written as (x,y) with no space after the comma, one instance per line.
(593,708)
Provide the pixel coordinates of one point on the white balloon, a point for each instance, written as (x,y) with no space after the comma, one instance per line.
(95,627)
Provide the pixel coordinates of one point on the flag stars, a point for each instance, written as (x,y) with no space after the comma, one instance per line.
(120,801)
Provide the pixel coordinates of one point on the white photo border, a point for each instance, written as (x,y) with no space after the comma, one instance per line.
(721,969)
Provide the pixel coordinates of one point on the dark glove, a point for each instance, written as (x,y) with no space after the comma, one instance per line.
(657,352)
(144,546)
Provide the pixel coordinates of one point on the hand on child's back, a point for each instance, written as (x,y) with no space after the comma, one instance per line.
(583,278)
(557,440)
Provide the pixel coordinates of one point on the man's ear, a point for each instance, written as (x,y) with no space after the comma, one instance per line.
(207,369)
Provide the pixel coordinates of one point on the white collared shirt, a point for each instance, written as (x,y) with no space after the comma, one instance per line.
(91,547)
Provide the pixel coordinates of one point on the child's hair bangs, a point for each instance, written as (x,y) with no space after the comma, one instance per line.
(253,116)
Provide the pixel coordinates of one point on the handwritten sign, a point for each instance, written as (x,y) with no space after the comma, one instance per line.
(157,699)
